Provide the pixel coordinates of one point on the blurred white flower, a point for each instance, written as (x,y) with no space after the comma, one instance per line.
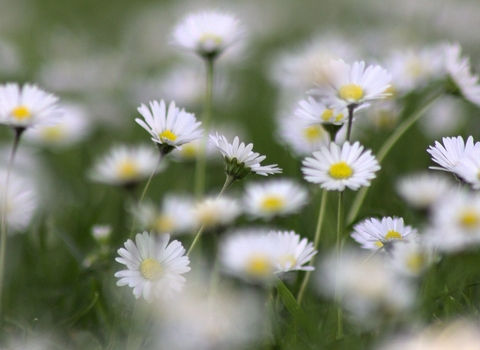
(101,233)
(468,168)
(315,112)
(154,266)
(290,253)
(445,117)
(27,106)
(451,152)
(410,258)
(214,212)
(274,198)
(207,33)
(337,167)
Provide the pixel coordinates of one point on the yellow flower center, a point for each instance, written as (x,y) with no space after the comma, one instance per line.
(313,133)
(327,115)
(151,269)
(272,203)
(167,134)
(340,171)
(287,260)
(415,262)
(351,92)
(127,169)
(52,133)
(391,235)
(164,224)
(210,37)
(469,219)
(207,215)
(414,68)
(259,266)
(189,151)
(21,113)
(379,244)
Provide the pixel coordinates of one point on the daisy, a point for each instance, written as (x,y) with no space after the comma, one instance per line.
(290,253)
(215,212)
(170,128)
(350,86)
(276,197)
(422,190)
(207,33)
(373,233)
(451,152)
(468,168)
(410,259)
(459,71)
(337,167)
(125,165)
(240,161)
(314,112)
(27,106)
(154,266)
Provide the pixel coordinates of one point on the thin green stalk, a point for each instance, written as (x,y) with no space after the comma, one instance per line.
(201,165)
(316,241)
(338,247)
(350,108)
(196,239)
(4,226)
(386,147)
(129,338)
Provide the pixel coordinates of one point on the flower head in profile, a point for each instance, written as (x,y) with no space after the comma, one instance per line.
(374,234)
(315,112)
(125,165)
(274,198)
(351,86)
(453,150)
(207,33)
(27,106)
(459,70)
(154,266)
(240,160)
(170,127)
(468,168)
(337,167)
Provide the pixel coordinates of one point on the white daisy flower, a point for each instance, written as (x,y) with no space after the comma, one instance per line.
(422,190)
(22,201)
(214,212)
(301,138)
(240,161)
(410,259)
(347,85)
(275,197)
(126,165)
(175,215)
(73,127)
(468,168)
(170,128)
(315,112)
(459,70)
(374,234)
(27,106)
(207,33)
(451,152)
(290,253)
(455,223)
(438,120)
(154,266)
(337,167)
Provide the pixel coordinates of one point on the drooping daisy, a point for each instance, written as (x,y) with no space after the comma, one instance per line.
(290,253)
(451,152)
(350,86)
(125,165)
(214,212)
(422,190)
(373,233)
(207,33)
(459,71)
(21,201)
(27,106)
(455,222)
(468,168)
(240,161)
(154,266)
(337,167)
(275,197)
(170,128)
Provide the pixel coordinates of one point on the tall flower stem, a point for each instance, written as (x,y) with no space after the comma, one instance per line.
(338,248)
(4,226)
(351,108)
(316,241)
(201,164)
(387,146)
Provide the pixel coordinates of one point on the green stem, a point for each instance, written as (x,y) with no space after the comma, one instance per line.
(350,108)
(386,147)
(196,239)
(201,164)
(340,227)
(316,241)
(129,338)
(4,226)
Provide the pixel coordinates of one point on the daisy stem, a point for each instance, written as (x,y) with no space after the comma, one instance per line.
(196,239)
(4,228)
(340,227)
(321,215)
(200,168)
(350,108)
(129,338)
(386,147)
